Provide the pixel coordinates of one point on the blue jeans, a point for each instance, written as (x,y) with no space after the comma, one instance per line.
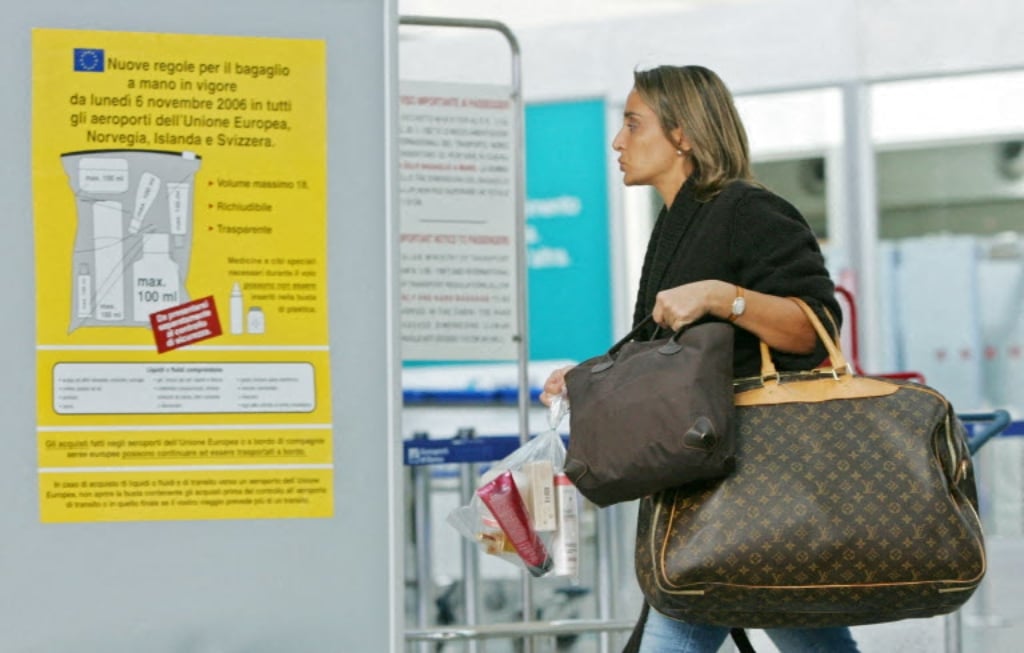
(665,635)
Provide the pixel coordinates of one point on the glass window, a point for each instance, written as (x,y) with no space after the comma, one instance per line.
(950,187)
(792,136)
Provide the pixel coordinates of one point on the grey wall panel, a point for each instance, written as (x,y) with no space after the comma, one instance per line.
(305,585)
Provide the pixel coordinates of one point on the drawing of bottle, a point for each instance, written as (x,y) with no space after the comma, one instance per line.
(108,257)
(236,309)
(155,284)
(83,288)
(149,186)
(256,322)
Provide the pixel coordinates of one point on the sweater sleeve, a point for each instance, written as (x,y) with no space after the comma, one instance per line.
(775,252)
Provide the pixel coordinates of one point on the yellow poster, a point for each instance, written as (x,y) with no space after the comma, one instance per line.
(180,245)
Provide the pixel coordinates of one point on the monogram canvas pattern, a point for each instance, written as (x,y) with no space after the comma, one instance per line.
(839,512)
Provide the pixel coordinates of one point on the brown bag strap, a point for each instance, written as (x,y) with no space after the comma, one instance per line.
(836,357)
(743,645)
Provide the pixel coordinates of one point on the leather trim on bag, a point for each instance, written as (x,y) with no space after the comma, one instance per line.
(815,391)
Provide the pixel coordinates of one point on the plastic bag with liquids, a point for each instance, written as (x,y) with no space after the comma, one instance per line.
(525,510)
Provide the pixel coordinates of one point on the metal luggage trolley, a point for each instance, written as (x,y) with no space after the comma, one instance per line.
(981,428)
(470,452)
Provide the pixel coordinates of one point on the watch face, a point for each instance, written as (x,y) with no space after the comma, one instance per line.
(738,306)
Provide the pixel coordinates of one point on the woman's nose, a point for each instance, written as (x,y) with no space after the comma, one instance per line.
(617,142)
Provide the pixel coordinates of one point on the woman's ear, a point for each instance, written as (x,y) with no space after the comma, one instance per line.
(680,140)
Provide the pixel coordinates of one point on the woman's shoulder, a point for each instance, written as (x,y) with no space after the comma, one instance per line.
(743,191)
(749,190)
(741,201)
(750,197)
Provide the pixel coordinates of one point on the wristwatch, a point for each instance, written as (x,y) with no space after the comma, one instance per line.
(738,305)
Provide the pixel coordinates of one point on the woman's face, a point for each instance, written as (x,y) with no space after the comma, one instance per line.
(646,155)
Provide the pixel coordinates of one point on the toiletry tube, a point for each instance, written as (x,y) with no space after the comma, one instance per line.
(145,193)
(236,309)
(178,206)
(541,477)
(492,537)
(502,498)
(108,260)
(565,547)
(84,291)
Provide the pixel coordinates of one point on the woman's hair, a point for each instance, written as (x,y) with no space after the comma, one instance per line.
(696,100)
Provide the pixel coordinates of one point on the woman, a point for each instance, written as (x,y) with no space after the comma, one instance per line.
(723,248)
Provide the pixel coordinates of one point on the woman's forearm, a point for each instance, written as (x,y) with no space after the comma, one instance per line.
(777,321)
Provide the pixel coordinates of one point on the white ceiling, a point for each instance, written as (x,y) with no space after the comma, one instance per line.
(533,13)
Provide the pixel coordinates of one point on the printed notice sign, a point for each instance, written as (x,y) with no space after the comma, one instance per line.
(180,220)
(457,165)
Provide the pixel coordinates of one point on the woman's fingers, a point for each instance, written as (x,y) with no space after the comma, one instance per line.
(554,385)
(670,310)
(676,307)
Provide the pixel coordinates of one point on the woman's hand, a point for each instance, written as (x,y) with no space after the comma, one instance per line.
(555,385)
(676,307)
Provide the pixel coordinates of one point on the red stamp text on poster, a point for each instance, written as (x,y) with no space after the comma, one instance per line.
(185,323)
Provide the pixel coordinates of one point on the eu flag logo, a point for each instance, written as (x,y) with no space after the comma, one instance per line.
(89,60)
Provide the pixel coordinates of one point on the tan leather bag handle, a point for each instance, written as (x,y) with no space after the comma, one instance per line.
(835,354)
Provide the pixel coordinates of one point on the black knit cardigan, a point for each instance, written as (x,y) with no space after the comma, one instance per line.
(748,236)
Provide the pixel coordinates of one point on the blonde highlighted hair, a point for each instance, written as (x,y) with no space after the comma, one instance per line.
(695,99)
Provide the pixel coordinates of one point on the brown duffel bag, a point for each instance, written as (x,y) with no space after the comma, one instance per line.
(853,502)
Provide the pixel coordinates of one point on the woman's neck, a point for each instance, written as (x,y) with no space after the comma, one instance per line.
(670,190)
(669,187)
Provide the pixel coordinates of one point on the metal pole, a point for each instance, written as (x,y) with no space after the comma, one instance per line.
(515,630)
(424,575)
(605,550)
(470,562)
(522,295)
(861,199)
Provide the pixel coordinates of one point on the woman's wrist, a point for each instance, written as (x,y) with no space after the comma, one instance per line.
(720,299)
